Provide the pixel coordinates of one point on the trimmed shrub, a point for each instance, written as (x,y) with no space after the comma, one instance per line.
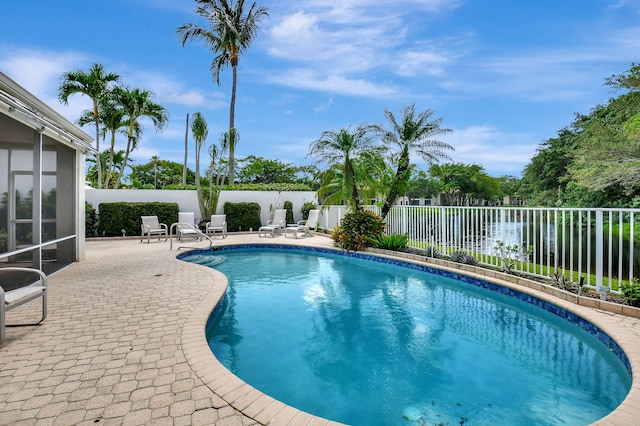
(288,206)
(114,217)
(91,220)
(242,216)
(357,230)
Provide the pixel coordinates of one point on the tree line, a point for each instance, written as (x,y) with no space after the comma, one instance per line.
(594,161)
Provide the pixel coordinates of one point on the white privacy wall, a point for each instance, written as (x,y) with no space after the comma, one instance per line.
(188,200)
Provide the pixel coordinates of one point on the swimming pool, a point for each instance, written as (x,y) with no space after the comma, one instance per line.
(444,333)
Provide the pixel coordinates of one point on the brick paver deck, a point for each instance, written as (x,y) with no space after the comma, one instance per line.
(123,344)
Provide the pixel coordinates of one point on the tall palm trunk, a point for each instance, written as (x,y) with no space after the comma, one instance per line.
(398,185)
(232,109)
(355,194)
(107,178)
(186,149)
(124,161)
(203,209)
(98,159)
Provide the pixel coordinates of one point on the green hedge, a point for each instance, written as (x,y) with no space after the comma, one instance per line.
(114,217)
(242,216)
(288,206)
(91,220)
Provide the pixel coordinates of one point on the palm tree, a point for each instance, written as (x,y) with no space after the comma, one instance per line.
(113,122)
(374,175)
(200,131)
(136,104)
(343,148)
(412,134)
(231,31)
(116,159)
(94,84)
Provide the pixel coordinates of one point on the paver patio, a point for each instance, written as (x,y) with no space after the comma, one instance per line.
(123,344)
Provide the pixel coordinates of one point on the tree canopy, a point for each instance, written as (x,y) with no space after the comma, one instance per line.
(158,174)
(596,160)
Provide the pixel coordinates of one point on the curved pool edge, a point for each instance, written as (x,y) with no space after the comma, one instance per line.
(267,410)
(240,395)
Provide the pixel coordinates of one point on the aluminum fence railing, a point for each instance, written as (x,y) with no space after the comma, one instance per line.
(597,245)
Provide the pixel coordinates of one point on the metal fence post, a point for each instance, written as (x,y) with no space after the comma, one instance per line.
(599,249)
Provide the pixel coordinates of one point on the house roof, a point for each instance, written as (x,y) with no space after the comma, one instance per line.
(19,104)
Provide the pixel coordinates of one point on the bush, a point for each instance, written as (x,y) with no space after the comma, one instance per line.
(631,292)
(114,217)
(288,206)
(462,257)
(357,230)
(394,242)
(91,220)
(305,209)
(242,216)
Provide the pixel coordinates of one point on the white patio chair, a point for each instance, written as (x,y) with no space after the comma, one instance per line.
(150,226)
(186,226)
(274,226)
(311,223)
(19,296)
(279,220)
(217,224)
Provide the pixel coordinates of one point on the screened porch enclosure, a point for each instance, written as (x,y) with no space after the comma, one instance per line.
(41,178)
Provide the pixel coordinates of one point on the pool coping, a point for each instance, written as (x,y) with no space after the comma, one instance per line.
(267,410)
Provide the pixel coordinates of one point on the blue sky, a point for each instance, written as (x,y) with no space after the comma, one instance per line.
(504,75)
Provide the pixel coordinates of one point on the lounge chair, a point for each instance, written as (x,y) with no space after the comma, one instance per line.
(279,219)
(311,223)
(19,296)
(150,226)
(304,226)
(276,225)
(186,226)
(218,224)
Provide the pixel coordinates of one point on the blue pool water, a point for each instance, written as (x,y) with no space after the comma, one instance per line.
(368,343)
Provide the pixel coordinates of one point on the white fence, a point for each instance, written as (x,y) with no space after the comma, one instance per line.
(596,244)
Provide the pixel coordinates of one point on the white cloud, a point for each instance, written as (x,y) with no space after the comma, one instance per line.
(338,46)
(322,45)
(554,73)
(40,72)
(507,153)
(171,91)
(308,79)
(416,62)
